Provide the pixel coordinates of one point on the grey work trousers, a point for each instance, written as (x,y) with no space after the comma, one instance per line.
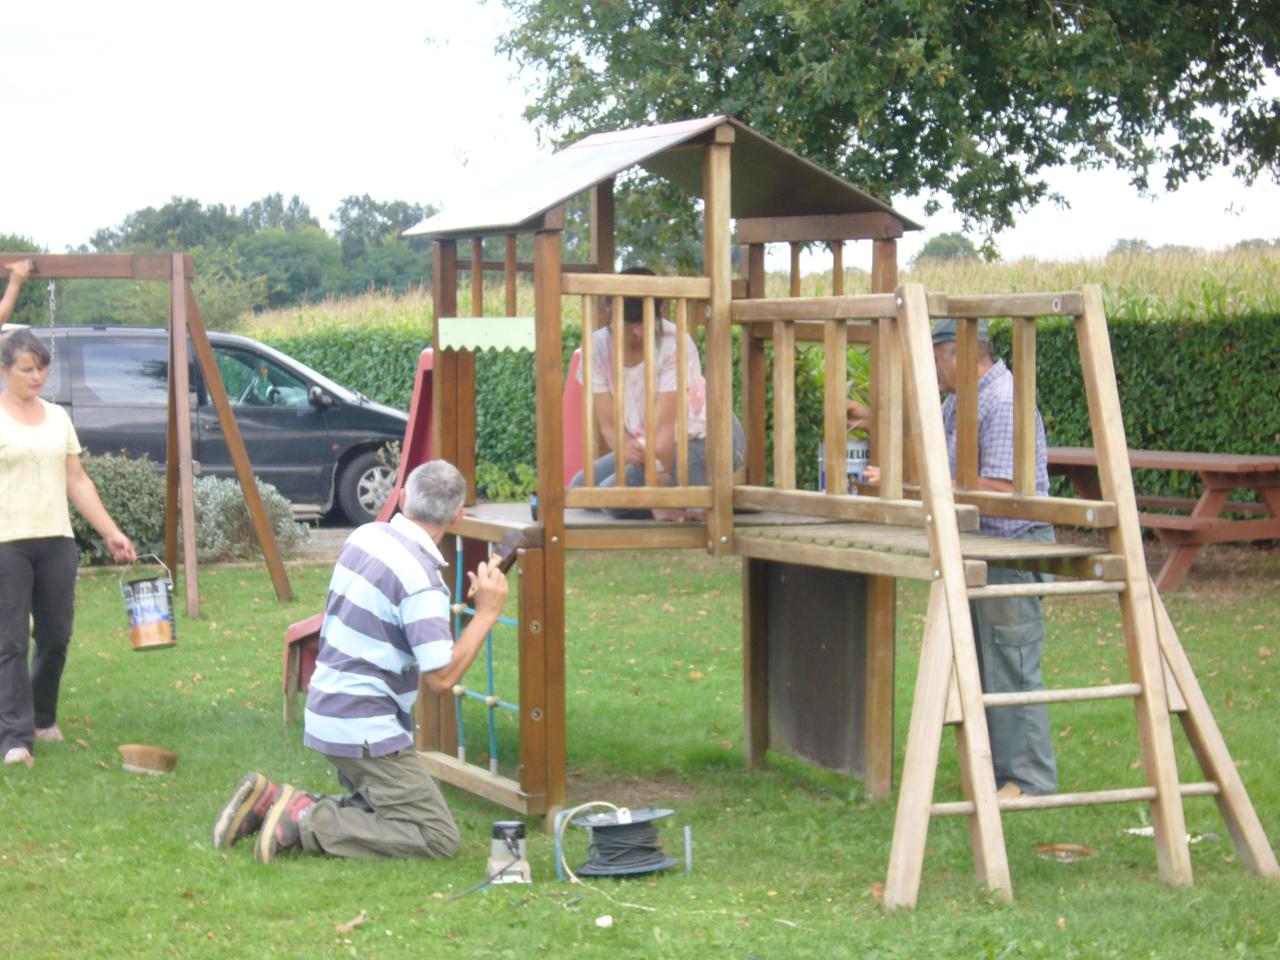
(392,808)
(1009,633)
(37,584)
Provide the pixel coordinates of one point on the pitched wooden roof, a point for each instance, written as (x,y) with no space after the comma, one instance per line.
(768,180)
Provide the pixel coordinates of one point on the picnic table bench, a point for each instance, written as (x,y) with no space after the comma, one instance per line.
(1201,520)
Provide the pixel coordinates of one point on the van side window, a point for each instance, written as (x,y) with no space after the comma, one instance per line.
(253,380)
(129,372)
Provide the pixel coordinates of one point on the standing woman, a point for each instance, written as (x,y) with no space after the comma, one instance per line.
(40,470)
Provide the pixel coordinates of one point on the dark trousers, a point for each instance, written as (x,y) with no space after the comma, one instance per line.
(37,581)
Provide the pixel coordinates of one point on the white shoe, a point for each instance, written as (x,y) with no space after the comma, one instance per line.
(49,734)
(19,755)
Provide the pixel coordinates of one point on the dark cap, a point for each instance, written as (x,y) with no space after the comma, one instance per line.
(945,330)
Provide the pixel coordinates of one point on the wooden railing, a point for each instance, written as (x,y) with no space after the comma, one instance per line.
(661,488)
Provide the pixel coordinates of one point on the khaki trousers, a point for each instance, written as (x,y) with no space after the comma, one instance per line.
(392,808)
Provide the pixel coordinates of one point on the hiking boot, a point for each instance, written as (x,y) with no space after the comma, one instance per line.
(49,734)
(245,811)
(19,755)
(280,828)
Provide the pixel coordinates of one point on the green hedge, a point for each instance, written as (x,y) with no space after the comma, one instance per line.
(1184,385)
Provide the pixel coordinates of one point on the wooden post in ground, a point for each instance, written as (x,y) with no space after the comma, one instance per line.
(235,448)
(548,731)
(717,264)
(1173,856)
(180,426)
(881,591)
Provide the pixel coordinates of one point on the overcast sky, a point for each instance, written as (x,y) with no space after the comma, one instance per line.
(112,107)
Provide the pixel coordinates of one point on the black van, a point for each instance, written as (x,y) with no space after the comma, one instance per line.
(316,441)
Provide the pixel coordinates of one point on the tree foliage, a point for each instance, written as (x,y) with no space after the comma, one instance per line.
(926,97)
(947,246)
(272,213)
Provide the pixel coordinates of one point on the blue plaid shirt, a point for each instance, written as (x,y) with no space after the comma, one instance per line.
(995,444)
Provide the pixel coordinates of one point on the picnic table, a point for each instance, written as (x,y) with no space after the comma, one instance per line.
(1197,521)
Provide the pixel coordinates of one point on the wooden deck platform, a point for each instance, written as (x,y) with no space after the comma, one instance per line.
(872,548)
(897,551)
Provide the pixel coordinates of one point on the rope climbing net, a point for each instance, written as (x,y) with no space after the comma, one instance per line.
(488,696)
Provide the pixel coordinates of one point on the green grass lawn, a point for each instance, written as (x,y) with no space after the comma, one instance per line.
(98,862)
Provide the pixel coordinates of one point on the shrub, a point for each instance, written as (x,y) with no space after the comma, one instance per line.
(133,493)
(224,530)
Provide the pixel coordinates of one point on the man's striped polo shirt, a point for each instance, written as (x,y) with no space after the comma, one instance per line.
(386,619)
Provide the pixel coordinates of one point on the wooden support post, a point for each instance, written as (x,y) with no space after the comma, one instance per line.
(509,274)
(1206,740)
(795,268)
(235,448)
(784,405)
(1024,406)
(837,268)
(437,721)
(717,264)
(535,765)
(444,397)
(755,663)
(648,315)
(986,830)
(966,347)
(549,650)
(601,227)
(753,375)
(920,764)
(180,424)
(1098,369)
(881,591)
(616,351)
(682,390)
(834,423)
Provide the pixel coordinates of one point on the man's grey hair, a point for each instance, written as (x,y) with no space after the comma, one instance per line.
(433,493)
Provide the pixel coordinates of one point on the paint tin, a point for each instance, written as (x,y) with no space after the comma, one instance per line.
(857,453)
(148,605)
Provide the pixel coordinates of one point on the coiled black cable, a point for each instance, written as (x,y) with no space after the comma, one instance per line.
(624,848)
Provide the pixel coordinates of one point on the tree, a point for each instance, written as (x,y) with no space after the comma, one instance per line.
(364,223)
(297,265)
(272,213)
(1129,247)
(973,100)
(181,224)
(947,246)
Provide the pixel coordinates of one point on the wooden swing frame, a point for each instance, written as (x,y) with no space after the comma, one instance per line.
(177,270)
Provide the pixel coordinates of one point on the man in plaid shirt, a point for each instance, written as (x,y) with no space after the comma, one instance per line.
(1008,631)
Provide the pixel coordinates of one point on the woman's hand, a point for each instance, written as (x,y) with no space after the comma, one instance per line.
(121,547)
(632,450)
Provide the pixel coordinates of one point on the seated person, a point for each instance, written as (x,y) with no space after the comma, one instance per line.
(630,439)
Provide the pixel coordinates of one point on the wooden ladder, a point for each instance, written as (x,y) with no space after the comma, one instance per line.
(948,686)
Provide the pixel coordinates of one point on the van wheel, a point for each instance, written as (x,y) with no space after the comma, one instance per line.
(364,486)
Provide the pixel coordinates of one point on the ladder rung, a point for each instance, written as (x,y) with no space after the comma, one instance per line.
(1051,588)
(1023,698)
(1088,798)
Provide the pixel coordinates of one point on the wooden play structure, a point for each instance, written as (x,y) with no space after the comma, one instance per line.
(819,569)
(187,338)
